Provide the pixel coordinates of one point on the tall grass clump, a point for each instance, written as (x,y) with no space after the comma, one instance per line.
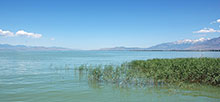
(187,70)
(159,71)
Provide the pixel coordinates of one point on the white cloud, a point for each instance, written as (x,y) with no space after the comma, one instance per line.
(19,33)
(24,33)
(6,33)
(207,30)
(218,20)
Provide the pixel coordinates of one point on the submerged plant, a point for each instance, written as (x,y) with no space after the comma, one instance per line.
(96,73)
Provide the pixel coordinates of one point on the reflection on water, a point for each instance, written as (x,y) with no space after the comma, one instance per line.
(50,77)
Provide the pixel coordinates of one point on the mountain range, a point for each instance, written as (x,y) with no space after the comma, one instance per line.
(31,48)
(187,44)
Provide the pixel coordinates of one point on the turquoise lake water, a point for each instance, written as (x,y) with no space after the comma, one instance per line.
(49,76)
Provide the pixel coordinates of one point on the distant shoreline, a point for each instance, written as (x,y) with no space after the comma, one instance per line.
(57,49)
(167,50)
(183,50)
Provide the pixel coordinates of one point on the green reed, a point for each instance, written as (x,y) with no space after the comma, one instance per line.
(159,71)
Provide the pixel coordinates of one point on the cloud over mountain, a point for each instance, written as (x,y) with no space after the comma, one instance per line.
(191,41)
(207,30)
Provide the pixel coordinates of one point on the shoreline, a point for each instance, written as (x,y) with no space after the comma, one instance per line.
(161,50)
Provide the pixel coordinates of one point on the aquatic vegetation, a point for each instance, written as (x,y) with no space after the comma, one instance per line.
(159,72)
(187,70)
(96,73)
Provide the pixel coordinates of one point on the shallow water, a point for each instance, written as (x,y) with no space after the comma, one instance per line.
(49,76)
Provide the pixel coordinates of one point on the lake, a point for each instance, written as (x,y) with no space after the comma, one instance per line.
(49,76)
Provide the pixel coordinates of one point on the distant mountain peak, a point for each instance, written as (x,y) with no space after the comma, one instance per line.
(188,44)
(191,41)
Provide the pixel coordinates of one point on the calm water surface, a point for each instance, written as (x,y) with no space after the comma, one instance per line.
(49,77)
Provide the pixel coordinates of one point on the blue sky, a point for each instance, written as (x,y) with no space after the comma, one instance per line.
(94,24)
